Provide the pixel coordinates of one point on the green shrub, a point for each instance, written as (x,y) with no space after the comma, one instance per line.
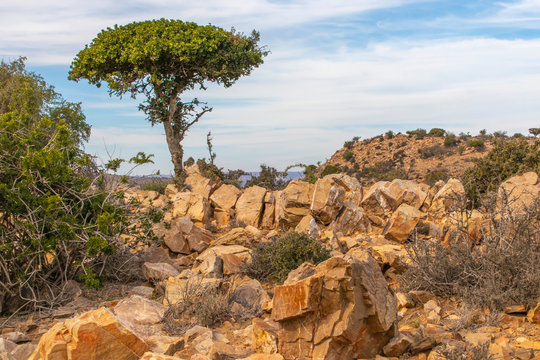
(507,158)
(58,220)
(330,169)
(383,170)
(433,176)
(268,178)
(156,184)
(418,133)
(431,151)
(389,134)
(348,155)
(437,132)
(477,144)
(274,260)
(450,140)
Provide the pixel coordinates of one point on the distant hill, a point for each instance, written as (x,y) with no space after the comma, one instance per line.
(416,156)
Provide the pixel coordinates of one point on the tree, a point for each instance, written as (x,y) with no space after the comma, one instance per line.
(161,60)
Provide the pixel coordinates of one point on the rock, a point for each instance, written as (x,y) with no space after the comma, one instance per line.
(269,214)
(156,254)
(211,266)
(96,335)
(249,206)
(309,226)
(293,203)
(143,291)
(184,237)
(224,200)
(155,272)
(303,271)
(265,335)
(154,356)
(163,344)
(397,346)
(519,192)
(201,185)
(385,197)
(223,351)
(22,352)
(250,295)
(171,190)
(137,310)
(6,347)
(352,220)
(515,309)
(388,255)
(451,197)
(233,257)
(16,336)
(404,300)
(345,310)
(191,205)
(264,357)
(237,236)
(421,296)
(534,314)
(402,222)
(328,198)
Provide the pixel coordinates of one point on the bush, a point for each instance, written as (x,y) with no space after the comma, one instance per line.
(437,132)
(276,259)
(450,140)
(156,184)
(431,151)
(389,134)
(434,176)
(418,133)
(507,158)
(503,270)
(199,304)
(268,178)
(348,155)
(330,169)
(56,220)
(477,144)
(383,170)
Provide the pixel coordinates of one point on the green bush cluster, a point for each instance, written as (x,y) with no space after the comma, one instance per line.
(348,155)
(507,158)
(418,133)
(433,176)
(330,169)
(383,170)
(477,144)
(274,260)
(437,132)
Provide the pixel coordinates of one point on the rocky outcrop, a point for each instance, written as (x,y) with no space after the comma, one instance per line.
(450,198)
(230,258)
(269,214)
(352,220)
(191,205)
(293,203)
(328,198)
(402,222)
(184,237)
(249,206)
(94,335)
(201,185)
(224,200)
(519,192)
(344,311)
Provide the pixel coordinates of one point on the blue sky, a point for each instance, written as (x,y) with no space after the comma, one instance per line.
(337,69)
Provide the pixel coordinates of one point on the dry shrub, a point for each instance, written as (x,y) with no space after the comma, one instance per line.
(199,304)
(500,271)
(470,352)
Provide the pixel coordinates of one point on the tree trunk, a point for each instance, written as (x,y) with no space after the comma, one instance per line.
(175,148)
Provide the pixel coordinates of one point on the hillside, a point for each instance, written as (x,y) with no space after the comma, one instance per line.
(422,158)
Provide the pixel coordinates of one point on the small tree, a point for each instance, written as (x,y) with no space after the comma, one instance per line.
(161,59)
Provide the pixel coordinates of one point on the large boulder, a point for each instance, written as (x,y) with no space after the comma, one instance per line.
(249,206)
(402,222)
(293,203)
(184,237)
(224,199)
(269,214)
(343,311)
(384,197)
(352,220)
(328,198)
(201,185)
(96,335)
(449,198)
(232,258)
(519,192)
(191,205)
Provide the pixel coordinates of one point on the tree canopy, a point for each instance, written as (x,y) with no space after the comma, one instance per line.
(161,59)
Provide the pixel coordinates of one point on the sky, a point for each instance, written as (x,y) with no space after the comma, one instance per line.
(336,69)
